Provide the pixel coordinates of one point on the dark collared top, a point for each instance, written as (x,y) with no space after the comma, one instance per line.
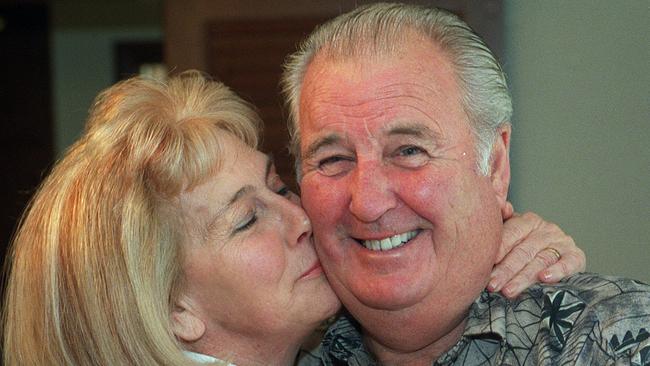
(586,319)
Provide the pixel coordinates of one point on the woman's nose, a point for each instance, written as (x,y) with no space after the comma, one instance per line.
(298,225)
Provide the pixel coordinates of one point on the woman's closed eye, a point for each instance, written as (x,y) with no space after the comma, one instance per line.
(246,223)
(251,219)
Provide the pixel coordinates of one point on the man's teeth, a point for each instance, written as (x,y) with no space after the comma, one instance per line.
(392,242)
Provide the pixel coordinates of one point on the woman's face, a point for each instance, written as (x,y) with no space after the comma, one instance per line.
(249,264)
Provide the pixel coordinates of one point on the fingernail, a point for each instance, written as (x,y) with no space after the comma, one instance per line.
(494,285)
(547,276)
(508,291)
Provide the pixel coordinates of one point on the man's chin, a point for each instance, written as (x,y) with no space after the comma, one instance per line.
(394,299)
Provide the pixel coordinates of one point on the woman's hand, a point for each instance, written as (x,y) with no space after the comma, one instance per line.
(533,250)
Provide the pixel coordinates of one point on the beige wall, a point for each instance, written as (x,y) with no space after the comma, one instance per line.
(83,37)
(580,74)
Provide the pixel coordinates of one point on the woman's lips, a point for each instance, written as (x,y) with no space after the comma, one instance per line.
(313,271)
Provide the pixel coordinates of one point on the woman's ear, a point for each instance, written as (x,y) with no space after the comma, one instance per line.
(500,168)
(186,324)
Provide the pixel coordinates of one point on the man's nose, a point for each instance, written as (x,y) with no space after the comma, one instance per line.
(371,192)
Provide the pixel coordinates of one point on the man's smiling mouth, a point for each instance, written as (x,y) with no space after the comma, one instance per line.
(389,243)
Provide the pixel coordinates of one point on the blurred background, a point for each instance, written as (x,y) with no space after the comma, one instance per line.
(579,72)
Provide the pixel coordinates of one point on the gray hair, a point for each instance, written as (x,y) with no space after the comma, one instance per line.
(383,28)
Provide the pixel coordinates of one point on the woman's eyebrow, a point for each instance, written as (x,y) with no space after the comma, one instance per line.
(243,191)
(249,188)
(239,194)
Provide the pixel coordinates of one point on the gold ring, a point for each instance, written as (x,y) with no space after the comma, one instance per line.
(555,252)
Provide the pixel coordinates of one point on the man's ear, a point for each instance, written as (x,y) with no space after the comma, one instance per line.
(500,167)
(186,324)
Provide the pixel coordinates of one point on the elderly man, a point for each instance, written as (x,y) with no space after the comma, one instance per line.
(401,123)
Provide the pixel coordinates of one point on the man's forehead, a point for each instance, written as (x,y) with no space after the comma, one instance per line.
(376,104)
(371,87)
(376,97)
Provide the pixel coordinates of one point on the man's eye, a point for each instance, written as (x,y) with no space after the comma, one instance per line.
(247,224)
(410,156)
(335,165)
(329,160)
(410,150)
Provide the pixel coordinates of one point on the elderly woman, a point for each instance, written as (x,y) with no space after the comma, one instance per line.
(164,237)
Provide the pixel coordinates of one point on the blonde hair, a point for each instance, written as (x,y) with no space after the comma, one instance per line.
(95,264)
(384,28)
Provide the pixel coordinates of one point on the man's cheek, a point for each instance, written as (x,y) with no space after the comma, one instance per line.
(320,199)
(309,192)
(424,192)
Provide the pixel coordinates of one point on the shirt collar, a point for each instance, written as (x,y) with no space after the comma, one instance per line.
(487,316)
(201,358)
(486,319)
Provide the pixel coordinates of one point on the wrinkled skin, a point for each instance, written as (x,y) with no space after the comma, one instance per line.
(253,286)
(387,149)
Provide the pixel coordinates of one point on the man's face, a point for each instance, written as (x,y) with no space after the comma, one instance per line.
(401,216)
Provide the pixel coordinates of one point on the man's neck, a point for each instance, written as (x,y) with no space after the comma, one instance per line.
(416,336)
(425,356)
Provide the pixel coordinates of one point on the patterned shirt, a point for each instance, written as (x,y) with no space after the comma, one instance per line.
(586,319)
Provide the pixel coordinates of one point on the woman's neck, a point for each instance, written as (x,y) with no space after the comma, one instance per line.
(241,350)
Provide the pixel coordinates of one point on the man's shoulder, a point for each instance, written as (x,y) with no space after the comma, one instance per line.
(605,296)
(585,319)
(596,286)
(612,312)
